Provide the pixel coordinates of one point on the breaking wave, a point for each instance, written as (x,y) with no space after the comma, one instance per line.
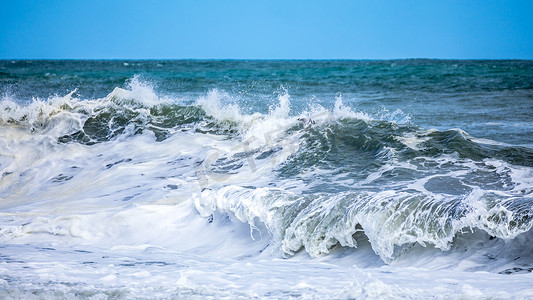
(315,180)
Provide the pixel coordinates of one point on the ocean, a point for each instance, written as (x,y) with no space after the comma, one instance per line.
(336,179)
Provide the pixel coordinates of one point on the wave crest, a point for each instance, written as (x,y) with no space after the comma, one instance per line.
(389,219)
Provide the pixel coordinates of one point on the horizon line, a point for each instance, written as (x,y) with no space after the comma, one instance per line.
(261,59)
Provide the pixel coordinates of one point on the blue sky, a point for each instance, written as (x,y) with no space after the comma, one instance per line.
(252,29)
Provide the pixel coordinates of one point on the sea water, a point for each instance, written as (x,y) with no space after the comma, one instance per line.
(266,179)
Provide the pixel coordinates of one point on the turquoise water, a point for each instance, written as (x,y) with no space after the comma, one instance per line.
(398,169)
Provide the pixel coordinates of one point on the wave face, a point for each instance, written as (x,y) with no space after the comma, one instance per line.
(141,178)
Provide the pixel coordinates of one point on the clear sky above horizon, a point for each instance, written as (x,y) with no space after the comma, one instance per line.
(248,29)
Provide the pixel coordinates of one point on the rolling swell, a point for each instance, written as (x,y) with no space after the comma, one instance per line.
(359,151)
